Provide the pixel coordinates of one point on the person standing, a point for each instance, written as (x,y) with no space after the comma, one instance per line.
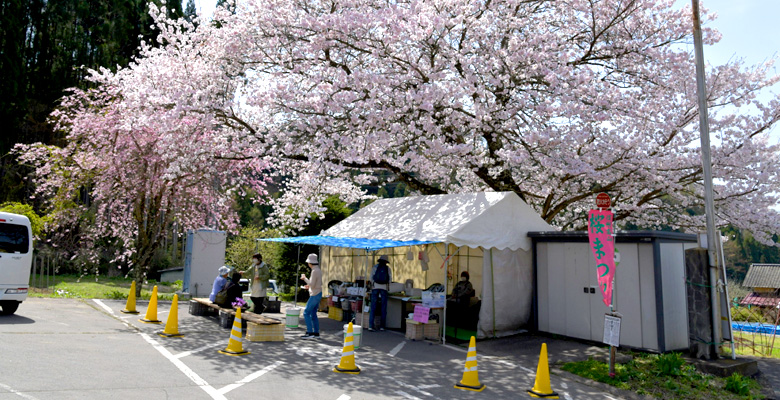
(314,284)
(381,277)
(259,273)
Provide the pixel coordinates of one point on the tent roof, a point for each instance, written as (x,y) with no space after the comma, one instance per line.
(349,242)
(487,219)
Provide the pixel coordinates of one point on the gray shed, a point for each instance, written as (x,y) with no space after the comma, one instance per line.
(650,288)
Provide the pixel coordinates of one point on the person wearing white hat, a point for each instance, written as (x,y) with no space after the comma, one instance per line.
(314,284)
(220,281)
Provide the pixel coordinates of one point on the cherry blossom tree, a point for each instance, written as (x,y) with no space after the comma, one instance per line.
(146,160)
(553,100)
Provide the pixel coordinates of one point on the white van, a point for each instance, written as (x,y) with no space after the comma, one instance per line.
(16,255)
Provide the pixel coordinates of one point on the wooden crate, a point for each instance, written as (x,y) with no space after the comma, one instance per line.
(264,333)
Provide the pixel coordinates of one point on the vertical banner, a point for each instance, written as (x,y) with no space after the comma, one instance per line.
(603,247)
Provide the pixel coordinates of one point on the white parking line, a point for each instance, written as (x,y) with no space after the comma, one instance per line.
(20,394)
(185,369)
(105,307)
(396,349)
(191,352)
(343,397)
(250,378)
(407,395)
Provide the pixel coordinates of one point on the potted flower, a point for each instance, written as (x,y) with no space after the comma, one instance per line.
(240,303)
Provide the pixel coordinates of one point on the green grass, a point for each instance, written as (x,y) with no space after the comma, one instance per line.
(91,287)
(667,377)
(755,344)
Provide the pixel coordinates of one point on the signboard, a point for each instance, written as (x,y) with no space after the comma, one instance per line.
(603,201)
(433,299)
(421,314)
(602,245)
(612,330)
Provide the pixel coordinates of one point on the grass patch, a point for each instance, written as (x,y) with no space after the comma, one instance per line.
(756,344)
(91,287)
(667,376)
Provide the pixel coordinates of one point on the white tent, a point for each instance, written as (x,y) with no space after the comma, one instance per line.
(496,222)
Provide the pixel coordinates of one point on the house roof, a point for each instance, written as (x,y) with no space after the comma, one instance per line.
(486,219)
(763,276)
(759,299)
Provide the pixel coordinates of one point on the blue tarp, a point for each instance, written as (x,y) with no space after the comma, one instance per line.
(768,329)
(348,242)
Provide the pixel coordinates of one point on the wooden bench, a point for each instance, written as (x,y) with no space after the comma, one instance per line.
(197,305)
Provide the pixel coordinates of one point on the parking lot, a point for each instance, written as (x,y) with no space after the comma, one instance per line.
(70,348)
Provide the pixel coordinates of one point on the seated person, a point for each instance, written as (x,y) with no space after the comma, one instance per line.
(219,282)
(463,291)
(233,290)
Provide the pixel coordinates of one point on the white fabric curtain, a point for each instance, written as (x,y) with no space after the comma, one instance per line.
(507,289)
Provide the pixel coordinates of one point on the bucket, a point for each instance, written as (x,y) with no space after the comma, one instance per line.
(293,314)
(357,334)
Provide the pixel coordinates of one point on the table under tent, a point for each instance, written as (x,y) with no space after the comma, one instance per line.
(483,233)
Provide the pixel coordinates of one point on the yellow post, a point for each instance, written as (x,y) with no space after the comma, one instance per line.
(235,346)
(130,305)
(470,380)
(542,387)
(172,326)
(151,311)
(347,363)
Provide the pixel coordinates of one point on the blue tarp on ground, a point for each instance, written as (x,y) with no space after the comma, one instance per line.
(348,242)
(756,327)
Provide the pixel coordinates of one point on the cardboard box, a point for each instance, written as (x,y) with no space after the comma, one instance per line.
(265,333)
(419,331)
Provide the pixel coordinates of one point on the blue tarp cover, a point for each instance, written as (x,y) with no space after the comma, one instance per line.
(348,242)
(768,329)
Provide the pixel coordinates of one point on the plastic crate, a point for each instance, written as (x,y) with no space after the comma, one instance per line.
(335,313)
(198,308)
(272,306)
(346,316)
(265,333)
(330,302)
(226,320)
(357,305)
(324,304)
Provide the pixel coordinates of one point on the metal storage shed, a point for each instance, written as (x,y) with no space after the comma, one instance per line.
(650,288)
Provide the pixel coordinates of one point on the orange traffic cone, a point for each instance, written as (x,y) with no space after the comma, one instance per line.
(130,305)
(235,346)
(347,363)
(470,379)
(172,326)
(542,387)
(151,311)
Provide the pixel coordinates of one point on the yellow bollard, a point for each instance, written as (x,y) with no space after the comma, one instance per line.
(542,387)
(172,326)
(235,346)
(151,311)
(130,305)
(470,380)
(347,363)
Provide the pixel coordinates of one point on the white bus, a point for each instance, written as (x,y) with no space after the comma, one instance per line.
(16,255)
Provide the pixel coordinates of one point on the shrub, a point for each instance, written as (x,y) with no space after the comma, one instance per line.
(736,383)
(670,364)
(115,295)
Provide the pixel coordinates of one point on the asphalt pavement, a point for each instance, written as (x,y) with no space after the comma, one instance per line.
(87,349)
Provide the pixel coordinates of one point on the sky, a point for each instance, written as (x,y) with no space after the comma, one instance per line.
(749,29)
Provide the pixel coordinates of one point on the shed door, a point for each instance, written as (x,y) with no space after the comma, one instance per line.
(578,303)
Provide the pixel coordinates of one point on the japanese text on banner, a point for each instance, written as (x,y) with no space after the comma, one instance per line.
(603,247)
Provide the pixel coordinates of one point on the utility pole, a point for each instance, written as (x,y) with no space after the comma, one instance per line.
(709,207)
